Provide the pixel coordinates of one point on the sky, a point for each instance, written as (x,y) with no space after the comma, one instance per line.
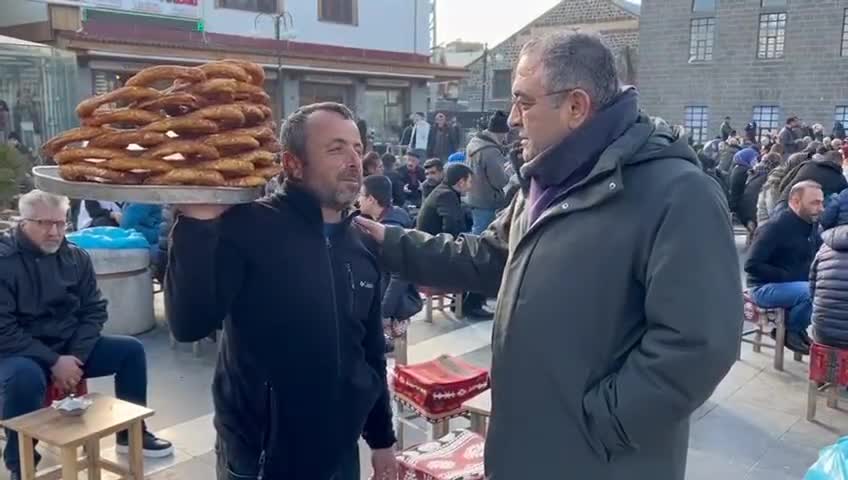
(489,21)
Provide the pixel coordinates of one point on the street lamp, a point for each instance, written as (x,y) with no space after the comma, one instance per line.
(283,24)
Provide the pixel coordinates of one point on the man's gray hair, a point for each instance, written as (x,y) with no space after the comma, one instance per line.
(35,198)
(576,60)
(293,134)
(799,188)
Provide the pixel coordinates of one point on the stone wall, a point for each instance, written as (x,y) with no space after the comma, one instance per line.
(810,81)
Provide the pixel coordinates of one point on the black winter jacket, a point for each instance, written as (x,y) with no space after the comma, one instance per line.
(746,210)
(302,372)
(829,289)
(49,303)
(825,172)
(782,250)
(442,212)
(738,178)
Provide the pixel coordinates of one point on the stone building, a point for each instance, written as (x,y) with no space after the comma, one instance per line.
(617,21)
(761,60)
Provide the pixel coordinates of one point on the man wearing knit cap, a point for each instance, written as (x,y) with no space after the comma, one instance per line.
(486,159)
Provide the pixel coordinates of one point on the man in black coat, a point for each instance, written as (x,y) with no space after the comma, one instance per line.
(390,172)
(778,264)
(51,315)
(411,177)
(302,370)
(826,171)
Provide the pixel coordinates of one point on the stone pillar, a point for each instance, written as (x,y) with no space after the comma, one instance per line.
(358,103)
(291,94)
(419,96)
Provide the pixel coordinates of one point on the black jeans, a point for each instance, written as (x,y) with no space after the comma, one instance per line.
(231,468)
(23,382)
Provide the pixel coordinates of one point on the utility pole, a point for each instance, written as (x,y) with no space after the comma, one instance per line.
(283,21)
(485,79)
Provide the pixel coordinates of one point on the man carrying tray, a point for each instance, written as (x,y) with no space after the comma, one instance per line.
(301,373)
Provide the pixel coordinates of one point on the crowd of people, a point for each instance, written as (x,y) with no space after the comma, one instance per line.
(787,190)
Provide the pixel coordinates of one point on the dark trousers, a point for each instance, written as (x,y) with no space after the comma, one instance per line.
(23,382)
(230,468)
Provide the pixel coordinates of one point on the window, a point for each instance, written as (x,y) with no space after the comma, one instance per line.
(261,6)
(703,5)
(323,92)
(845,33)
(385,110)
(773,3)
(841,114)
(701,33)
(695,121)
(768,120)
(338,11)
(772,33)
(502,84)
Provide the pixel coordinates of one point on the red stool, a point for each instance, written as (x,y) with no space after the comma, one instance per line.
(764,319)
(435,391)
(455,456)
(828,372)
(54,392)
(434,300)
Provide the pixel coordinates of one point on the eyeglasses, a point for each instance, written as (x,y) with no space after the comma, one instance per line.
(525,104)
(48,224)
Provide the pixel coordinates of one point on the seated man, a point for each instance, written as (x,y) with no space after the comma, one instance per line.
(442,212)
(400,298)
(778,264)
(434,170)
(51,314)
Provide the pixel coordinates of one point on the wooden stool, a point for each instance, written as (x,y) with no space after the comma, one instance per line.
(457,455)
(479,409)
(106,416)
(434,300)
(764,319)
(828,373)
(435,391)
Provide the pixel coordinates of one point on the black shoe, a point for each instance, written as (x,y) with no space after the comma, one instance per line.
(479,313)
(806,337)
(152,446)
(795,342)
(390,344)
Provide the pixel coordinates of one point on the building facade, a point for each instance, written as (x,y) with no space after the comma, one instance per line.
(761,60)
(617,21)
(373,55)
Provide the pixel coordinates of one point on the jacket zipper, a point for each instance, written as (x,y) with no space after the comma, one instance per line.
(335,303)
(352,298)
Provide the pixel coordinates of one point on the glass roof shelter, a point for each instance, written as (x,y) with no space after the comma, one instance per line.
(37,91)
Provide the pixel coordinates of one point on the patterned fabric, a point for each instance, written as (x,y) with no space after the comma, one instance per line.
(828,364)
(456,456)
(760,315)
(438,388)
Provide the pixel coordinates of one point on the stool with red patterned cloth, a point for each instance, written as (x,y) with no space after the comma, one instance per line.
(828,372)
(455,456)
(764,319)
(54,392)
(434,300)
(436,390)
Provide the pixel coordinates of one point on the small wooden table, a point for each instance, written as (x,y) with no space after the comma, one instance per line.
(106,416)
(479,410)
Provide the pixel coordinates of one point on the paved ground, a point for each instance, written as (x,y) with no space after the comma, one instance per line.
(752,427)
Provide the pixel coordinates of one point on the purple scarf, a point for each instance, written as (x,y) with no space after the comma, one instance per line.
(559,168)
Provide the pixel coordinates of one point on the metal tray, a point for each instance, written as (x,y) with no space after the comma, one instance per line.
(47,178)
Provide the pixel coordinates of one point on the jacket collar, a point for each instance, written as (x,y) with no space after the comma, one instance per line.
(553,166)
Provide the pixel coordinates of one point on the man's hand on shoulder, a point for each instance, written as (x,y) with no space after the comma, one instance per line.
(375,230)
(203,212)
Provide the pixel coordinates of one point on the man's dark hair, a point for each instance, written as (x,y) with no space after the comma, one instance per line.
(434,163)
(421,114)
(293,134)
(791,119)
(380,188)
(456,172)
(576,60)
(389,161)
(727,118)
(369,162)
